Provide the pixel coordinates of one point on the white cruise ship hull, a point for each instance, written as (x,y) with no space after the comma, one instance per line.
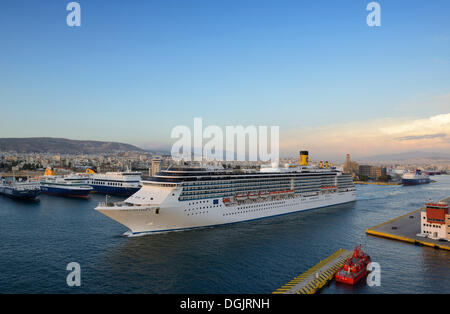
(176,215)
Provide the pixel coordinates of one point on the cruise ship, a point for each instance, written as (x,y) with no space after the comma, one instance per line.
(415,178)
(186,198)
(123,183)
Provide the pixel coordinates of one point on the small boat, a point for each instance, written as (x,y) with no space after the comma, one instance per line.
(241,197)
(329,187)
(355,267)
(264,194)
(287,192)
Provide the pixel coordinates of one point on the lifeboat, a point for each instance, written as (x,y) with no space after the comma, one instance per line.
(226,200)
(282,192)
(253,196)
(241,197)
(264,194)
(354,268)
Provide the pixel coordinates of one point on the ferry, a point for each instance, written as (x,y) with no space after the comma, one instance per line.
(194,197)
(23,190)
(74,185)
(123,183)
(415,178)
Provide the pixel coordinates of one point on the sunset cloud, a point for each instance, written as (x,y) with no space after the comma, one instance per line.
(421,137)
(370,137)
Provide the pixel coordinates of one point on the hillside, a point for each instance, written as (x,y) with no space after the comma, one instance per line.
(62,146)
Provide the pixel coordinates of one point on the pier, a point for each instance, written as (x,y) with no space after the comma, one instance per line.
(317,276)
(377,183)
(405,228)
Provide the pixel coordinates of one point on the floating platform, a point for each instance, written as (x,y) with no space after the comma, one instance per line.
(317,276)
(405,228)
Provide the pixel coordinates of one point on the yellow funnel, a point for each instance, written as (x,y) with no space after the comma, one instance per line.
(90,171)
(304,159)
(49,172)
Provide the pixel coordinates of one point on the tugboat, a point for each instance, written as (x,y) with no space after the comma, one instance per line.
(355,267)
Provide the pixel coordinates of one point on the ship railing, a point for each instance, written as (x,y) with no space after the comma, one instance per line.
(118,204)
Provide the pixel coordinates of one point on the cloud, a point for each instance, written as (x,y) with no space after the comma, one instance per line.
(371,137)
(421,137)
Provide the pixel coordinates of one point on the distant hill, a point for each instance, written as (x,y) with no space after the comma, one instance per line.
(62,146)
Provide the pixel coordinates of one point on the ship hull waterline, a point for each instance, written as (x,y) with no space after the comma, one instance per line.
(143,220)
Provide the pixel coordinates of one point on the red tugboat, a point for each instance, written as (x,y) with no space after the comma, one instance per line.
(355,267)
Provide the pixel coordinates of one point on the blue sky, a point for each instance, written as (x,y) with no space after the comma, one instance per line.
(135,69)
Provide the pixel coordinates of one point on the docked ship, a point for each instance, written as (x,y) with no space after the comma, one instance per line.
(354,268)
(193,197)
(415,178)
(70,186)
(25,190)
(123,183)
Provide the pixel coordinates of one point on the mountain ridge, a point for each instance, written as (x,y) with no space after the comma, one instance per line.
(63,146)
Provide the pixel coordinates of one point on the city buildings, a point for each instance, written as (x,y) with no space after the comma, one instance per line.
(371,172)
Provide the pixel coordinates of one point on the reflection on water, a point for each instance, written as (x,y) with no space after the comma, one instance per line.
(38,240)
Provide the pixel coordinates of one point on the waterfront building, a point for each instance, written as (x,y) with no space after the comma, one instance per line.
(348,164)
(435,221)
(371,172)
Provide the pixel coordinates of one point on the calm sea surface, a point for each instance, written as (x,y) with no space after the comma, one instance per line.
(38,240)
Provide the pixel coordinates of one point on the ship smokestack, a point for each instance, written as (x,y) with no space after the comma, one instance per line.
(326,164)
(321,164)
(304,158)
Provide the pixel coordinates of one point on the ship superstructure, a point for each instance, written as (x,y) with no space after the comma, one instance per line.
(115,183)
(185,198)
(415,178)
(25,190)
(74,185)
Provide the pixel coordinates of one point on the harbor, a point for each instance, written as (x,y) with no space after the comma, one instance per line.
(317,276)
(250,257)
(406,228)
(378,183)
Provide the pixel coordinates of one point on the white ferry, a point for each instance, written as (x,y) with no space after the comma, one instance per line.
(123,183)
(415,178)
(74,185)
(186,198)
